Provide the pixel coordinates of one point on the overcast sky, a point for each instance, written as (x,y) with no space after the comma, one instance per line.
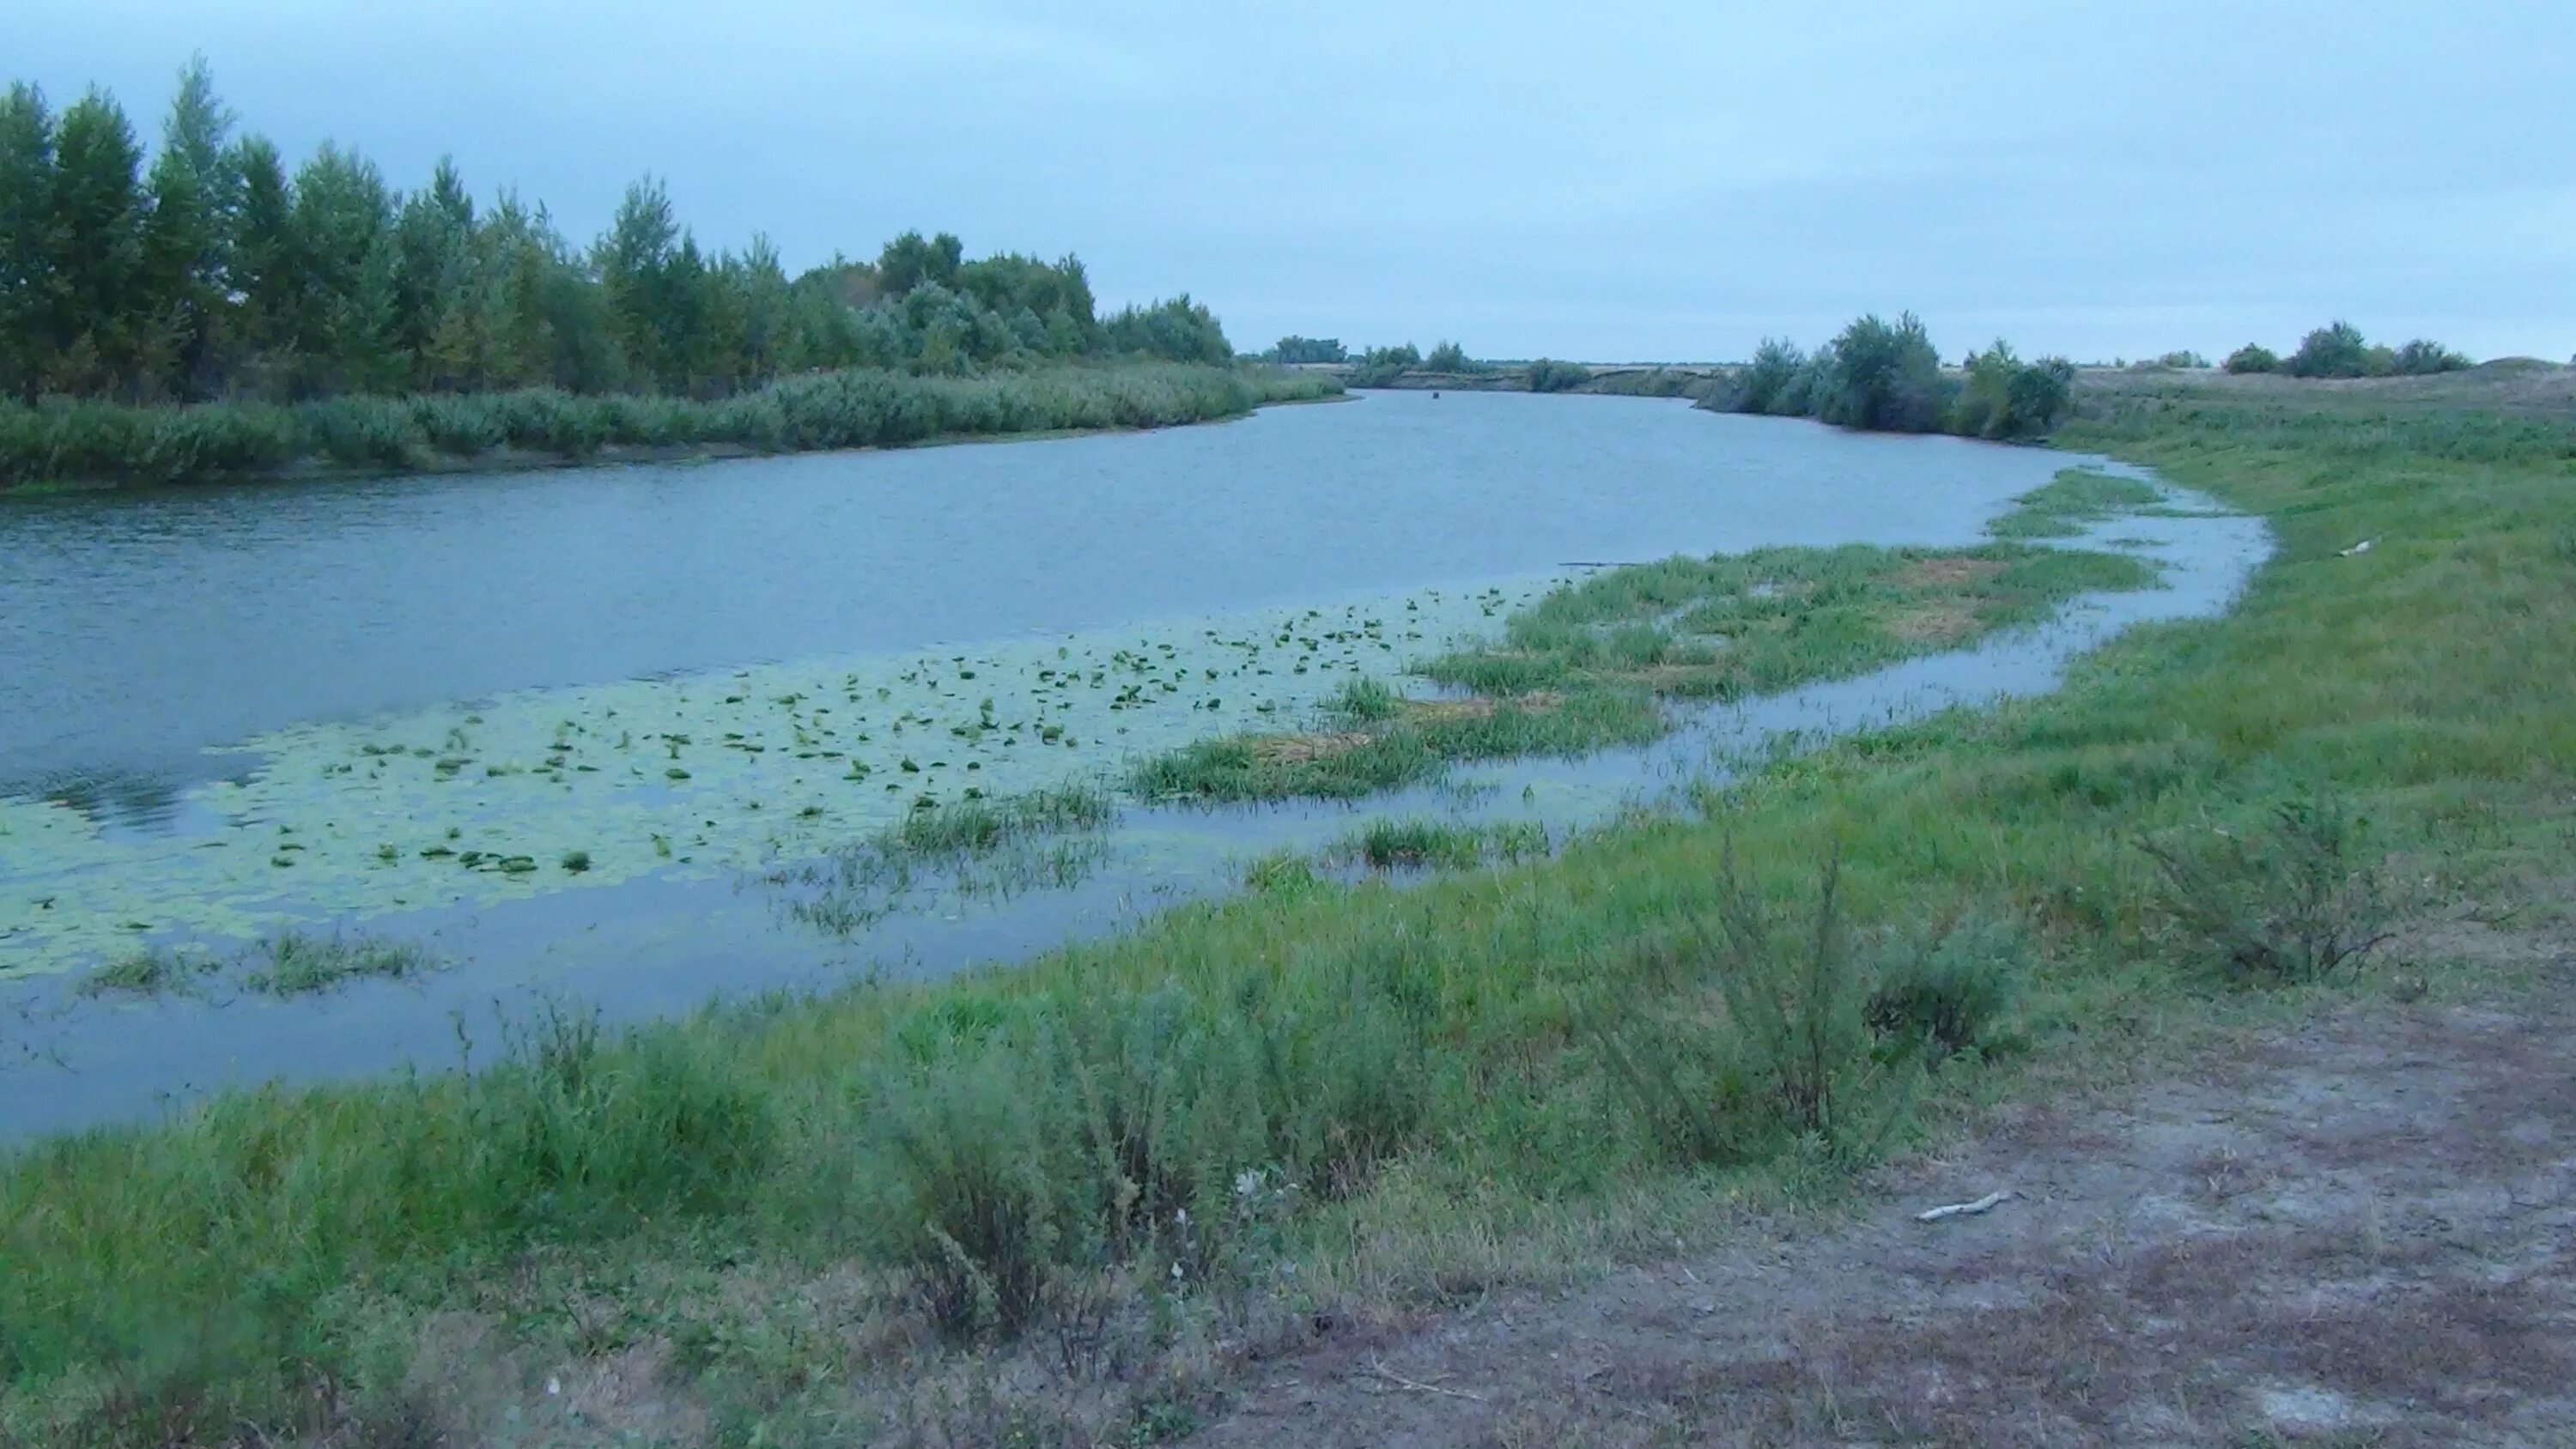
(1609,182)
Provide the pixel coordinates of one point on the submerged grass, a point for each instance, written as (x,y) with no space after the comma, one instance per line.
(980,845)
(290,963)
(1404,1095)
(2061,507)
(293,963)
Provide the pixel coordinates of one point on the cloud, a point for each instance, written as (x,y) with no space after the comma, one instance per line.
(1647,180)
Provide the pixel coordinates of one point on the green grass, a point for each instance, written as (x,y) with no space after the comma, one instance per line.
(293,963)
(2074,498)
(153,971)
(1585,667)
(1405,1095)
(90,443)
(1439,845)
(982,845)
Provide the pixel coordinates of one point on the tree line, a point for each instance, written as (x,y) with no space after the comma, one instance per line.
(207,270)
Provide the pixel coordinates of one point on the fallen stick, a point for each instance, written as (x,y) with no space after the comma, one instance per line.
(1382,1371)
(1963,1209)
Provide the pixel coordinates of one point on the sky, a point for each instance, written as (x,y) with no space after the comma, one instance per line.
(1628,182)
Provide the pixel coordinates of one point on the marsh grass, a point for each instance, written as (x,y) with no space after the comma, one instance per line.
(1440,844)
(150,971)
(980,845)
(294,963)
(1424,1067)
(2062,507)
(1590,665)
(856,408)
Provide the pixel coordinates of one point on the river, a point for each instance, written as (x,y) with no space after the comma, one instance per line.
(339,706)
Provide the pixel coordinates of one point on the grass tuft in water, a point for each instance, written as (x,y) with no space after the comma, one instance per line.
(293,963)
(2061,507)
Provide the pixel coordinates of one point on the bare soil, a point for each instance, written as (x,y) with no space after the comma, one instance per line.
(2354,1231)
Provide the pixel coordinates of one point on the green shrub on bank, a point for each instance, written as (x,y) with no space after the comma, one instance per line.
(1549,375)
(106,443)
(1883,376)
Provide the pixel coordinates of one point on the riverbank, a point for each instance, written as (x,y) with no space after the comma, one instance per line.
(105,445)
(1131,1169)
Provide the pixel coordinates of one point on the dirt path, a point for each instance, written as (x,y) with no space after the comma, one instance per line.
(2364,1233)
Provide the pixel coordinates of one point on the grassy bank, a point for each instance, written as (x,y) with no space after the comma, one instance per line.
(1596,663)
(91,443)
(1126,1167)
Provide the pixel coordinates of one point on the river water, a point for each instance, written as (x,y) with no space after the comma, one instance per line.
(405,707)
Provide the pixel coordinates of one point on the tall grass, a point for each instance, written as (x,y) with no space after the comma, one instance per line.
(860,408)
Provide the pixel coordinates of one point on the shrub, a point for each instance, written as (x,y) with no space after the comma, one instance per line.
(2291,900)
(1948,989)
(2334,350)
(1293,348)
(1450,357)
(2004,397)
(2184,359)
(1547,374)
(1767,382)
(1791,1058)
(1886,377)
(2424,356)
(2253,357)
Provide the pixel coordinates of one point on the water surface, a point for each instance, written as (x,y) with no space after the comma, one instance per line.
(848,651)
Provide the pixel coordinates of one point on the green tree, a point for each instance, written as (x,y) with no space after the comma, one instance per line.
(2335,350)
(1293,348)
(434,266)
(1765,384)
(264,271)
(345,311)
(2252,357)
(909,261)
(98,215)
(1887,376)
(188,237)
(30,301)
(2423,356)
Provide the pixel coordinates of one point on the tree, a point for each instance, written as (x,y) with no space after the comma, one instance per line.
(909,261)
(433,275)
(1549,375)
(1887,377)
(2423,356)
(98,217)
(188,236)
(1177,330)
(264,269)
(2335,350)
(2253,357)
(345,308)
(30,300)
(634,261)
(1764,386)
(1293,348)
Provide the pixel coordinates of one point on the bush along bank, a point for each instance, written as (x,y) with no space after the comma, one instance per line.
(1886,377)
(106,443)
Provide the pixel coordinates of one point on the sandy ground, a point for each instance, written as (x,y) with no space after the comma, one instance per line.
(2358,1231)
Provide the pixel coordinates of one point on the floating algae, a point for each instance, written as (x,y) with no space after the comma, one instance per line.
(459,804)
